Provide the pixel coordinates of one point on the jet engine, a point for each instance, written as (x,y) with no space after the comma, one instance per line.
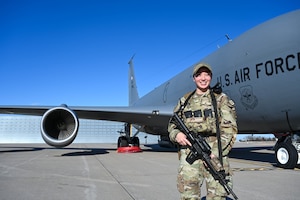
(59,126)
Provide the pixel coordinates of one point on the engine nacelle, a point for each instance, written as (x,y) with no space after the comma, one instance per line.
(59,126)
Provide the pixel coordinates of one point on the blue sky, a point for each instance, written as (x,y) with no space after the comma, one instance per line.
(76,52)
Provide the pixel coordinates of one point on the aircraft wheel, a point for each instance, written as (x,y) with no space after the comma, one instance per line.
(122,142)
(286,155)
(136,141)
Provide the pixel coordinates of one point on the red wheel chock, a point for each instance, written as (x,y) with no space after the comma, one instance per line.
(130,149)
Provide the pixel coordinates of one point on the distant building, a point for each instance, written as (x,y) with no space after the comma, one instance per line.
(26,129)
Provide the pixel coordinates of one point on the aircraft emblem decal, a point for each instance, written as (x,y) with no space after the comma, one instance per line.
(248,99)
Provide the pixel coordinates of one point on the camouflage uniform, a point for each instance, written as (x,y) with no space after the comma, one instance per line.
(199,116)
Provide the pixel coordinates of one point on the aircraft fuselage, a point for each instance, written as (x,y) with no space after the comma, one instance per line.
(260,71)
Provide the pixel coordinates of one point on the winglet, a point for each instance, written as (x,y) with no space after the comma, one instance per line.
(132,88)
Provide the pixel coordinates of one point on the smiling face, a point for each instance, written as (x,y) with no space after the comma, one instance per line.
(202,79)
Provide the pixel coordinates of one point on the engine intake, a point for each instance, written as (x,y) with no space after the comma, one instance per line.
(59,126)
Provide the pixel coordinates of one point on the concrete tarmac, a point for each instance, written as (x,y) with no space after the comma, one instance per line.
(97,171)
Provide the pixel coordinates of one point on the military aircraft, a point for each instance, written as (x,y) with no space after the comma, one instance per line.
(259,70)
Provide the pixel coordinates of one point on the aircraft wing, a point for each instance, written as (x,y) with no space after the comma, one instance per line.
(142,116)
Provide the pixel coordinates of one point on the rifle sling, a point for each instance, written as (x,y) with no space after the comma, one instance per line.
(214,102)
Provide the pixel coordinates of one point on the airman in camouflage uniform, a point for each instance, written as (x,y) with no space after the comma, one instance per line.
(199,116)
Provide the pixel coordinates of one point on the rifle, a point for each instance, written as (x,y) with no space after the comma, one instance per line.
(200,149)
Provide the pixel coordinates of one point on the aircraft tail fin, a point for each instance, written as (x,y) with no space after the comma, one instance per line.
(132,88)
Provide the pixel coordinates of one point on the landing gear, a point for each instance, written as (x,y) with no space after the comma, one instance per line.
(287,151)
(165,142)
(122,141)
(126,143)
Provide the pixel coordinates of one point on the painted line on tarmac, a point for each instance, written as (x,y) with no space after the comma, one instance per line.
(261,169)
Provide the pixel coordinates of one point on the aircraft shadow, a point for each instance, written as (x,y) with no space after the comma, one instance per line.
(157,148)
(87,152)
(227,198)
(77,151)
(250,153)
(19,149)
(242,153)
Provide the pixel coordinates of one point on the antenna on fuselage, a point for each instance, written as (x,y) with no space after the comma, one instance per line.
(228,38)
